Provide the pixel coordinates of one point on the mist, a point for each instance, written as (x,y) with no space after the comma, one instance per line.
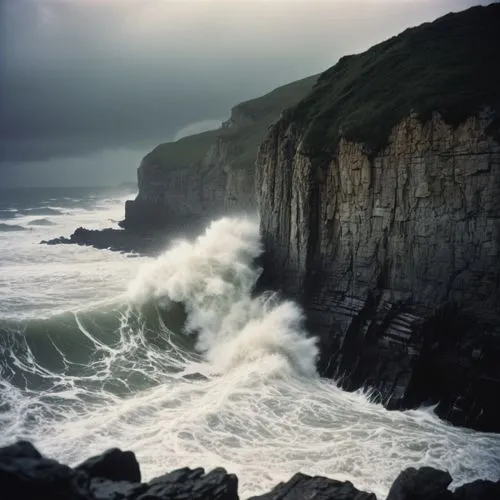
(88,87)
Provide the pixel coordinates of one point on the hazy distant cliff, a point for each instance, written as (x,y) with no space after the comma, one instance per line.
(379,197)
(209,173)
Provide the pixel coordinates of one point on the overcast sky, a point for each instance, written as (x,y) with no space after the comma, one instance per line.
(87,87)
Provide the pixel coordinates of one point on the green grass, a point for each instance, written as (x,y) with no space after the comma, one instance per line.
(451,66)
(186,151)
(263,111)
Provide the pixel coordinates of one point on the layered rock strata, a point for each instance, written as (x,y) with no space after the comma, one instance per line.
(396,257)
(379,196)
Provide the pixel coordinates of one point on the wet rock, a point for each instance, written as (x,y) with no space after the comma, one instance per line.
(301,487)
(24,473)
(115,475)
(104,489)
(402,294)
(145,242)
(425,483)
(21,449)
(193,485)
(478,490)
(385,223)
(61,240)
(114,464)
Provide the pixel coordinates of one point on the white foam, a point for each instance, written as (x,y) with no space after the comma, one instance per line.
(214,277)
(251,402)
(40,280)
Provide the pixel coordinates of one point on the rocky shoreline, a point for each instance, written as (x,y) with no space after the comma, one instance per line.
(116,475)
(147,241)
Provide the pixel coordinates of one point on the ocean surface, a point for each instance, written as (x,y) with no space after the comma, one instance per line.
(174,359)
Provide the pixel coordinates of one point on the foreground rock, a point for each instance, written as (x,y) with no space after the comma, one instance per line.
(115,475)
(302,486)
(383,216)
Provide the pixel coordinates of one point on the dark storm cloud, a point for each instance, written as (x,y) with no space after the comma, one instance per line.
(81,76)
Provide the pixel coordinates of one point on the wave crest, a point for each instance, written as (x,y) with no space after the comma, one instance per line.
(213,277)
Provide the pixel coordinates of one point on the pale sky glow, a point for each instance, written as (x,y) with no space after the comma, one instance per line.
(82,76)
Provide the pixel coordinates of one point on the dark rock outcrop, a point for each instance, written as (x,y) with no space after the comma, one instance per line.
(392,242)
(114,465)
(478,490)
(115,475)
(148,242)
(422,484)
(302,486)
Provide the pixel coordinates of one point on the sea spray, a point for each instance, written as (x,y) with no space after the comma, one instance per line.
(214,277)
(124,373)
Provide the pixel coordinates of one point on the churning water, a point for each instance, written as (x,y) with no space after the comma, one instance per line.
(175,359)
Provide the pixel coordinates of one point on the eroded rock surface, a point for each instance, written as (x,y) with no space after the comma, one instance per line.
(397,260)
(379,197)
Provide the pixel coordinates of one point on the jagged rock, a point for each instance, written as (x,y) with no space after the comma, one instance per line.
(113,464)
(104,489)
(478,490)
(301,487)
(145,242)
(422,484)
(24,473)
(21,449)
(115,475)
(193,485)
(394,251)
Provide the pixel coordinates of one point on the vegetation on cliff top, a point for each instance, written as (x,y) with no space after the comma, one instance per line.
(451,66)
(257,115)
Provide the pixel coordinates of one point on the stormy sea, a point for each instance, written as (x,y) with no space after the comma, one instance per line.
(175,358)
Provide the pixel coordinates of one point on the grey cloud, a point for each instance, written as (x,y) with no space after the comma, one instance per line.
(78,77)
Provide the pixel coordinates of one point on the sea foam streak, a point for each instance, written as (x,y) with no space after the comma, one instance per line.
(247,399)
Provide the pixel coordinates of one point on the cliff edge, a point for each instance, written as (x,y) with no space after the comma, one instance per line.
(379,196)
(209,174)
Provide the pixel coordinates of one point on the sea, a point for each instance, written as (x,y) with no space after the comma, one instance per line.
(176,358)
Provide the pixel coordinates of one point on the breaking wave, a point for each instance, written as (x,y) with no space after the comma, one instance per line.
(213,277)
(189,368)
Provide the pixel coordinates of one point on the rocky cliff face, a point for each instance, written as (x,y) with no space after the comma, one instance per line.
(396,257)
(380,209)
(182,192)
(212,173)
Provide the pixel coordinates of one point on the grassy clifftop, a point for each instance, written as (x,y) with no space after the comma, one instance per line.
(451,66)
(257,115)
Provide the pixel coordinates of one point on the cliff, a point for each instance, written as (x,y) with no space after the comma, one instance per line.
(208,174)
(379,197)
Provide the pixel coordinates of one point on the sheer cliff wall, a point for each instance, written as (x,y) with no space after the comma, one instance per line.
(396,258)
